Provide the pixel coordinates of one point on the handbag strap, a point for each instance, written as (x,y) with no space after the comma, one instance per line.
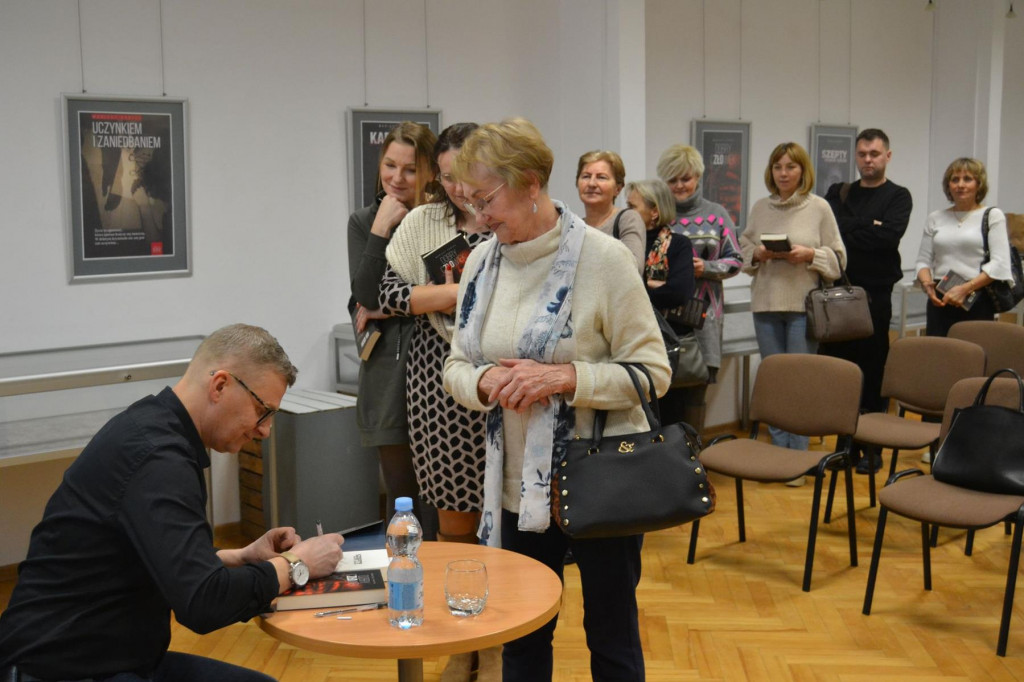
(843,279)
(983,393)
(984,235)
(653,419)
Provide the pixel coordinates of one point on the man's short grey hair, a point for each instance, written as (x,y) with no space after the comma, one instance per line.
(247,345)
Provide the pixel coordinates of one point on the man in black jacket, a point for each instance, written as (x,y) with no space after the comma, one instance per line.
(124,540)
(872,214)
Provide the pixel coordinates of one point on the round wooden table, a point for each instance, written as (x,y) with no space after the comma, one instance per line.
(523,595)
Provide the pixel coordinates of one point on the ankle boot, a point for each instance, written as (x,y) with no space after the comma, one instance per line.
(459,668)
(490,665)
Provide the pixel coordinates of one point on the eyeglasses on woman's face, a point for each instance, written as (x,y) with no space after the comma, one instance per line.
(480,205)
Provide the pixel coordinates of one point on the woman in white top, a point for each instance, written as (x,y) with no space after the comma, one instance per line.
(953,242)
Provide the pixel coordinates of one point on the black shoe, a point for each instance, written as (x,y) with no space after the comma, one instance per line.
(869,464)
(569,558)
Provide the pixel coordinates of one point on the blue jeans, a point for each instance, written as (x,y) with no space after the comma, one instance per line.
(783,333)
(609,573)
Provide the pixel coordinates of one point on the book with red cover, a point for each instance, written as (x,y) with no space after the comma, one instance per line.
(348,588)
(454,252)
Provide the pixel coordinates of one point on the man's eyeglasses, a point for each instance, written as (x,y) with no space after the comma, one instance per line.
(268,411)
(478,206)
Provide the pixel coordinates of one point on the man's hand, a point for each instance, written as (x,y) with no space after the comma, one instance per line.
(321,553)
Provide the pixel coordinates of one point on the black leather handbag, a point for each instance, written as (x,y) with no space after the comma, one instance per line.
(1005,295)
(611,486)
(984,447)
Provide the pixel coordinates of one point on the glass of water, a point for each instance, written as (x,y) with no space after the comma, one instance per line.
(465,587)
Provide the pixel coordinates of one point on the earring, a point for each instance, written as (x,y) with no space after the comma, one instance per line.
(535,207)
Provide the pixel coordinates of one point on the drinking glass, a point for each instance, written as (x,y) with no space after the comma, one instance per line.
(465,587)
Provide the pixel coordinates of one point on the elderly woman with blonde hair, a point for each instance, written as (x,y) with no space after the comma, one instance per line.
(716,255)
(546,310)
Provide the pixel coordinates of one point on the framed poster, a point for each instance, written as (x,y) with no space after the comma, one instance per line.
(367,129)
(126,168)
(725,146)
(833,154)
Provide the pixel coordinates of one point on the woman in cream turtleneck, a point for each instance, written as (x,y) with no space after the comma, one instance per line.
(781,280)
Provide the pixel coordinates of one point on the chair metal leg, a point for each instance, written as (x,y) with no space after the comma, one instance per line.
(694,531)
(876,554)
(812,532)
(892,462)
(831,494)
(926,556)
(1011,584)
(871,475)
(1006,526)
(935,536)
(739,510)
(969,546)
(851,517)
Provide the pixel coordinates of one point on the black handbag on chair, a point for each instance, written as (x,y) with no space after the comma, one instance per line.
(991,434)
(631,483)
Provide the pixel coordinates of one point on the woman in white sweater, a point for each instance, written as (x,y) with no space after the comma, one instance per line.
(781,279)
(953,243)
(545,311)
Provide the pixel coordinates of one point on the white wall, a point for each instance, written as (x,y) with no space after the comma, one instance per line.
(269,82)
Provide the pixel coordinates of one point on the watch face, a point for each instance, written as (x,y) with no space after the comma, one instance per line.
(300,573)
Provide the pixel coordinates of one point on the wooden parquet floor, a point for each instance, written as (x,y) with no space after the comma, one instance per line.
(739,614)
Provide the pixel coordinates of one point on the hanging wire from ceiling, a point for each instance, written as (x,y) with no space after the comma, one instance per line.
(163,66)
(426,53)
(81,50)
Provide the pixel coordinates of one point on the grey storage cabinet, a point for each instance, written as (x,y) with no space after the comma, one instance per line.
(316,468)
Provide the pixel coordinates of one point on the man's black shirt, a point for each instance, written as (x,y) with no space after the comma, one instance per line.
(123,541)
(873,252)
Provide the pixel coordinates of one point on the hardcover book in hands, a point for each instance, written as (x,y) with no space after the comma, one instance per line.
(366,339)
(776,242)
(950,280)
(453,252)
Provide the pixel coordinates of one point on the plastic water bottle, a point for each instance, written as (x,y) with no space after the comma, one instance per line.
(405,573)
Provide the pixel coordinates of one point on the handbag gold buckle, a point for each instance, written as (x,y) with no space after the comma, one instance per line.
(626,447)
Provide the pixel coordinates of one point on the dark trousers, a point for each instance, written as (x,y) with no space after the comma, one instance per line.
(871,353)
(939,320)
(609,573)
(174,667)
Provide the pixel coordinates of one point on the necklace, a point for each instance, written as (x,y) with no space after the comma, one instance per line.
(960,219)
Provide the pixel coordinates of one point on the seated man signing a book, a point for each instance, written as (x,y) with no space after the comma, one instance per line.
(124,540)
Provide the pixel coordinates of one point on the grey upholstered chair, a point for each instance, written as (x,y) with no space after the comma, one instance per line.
(1003,342)
(811,395)
(920,497)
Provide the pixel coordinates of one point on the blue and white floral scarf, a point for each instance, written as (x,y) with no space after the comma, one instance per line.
(548,427)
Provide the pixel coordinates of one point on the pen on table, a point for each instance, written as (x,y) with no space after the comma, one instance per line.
(319,527)
(350,609)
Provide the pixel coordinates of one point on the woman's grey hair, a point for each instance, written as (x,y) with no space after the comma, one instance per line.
(680,159)
(657,195)
(246,345)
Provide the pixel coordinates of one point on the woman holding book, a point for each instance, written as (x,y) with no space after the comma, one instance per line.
(403,174)
(951,265)
(600,177)
(716,256)
(545,312)
(806,248)
(668,276)
(447,439)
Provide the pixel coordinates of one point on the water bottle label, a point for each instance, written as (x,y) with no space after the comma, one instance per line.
(405,596)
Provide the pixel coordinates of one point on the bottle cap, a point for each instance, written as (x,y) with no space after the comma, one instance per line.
(403,504)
